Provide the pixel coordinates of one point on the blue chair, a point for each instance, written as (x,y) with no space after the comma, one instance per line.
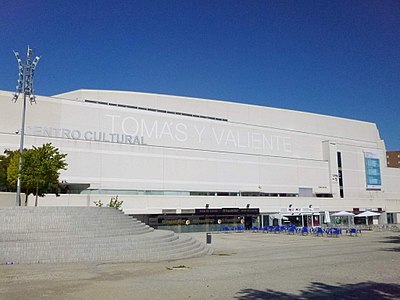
(304,230)
(254,228)
(271,229)
(352,231)
(319,231)
(277,229)
(283,228)
(334,232)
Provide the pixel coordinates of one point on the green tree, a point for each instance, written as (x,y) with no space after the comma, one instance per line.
(40,170)
(4,163)
(3,172)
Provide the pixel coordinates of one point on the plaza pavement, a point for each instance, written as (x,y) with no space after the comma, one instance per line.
(242,266)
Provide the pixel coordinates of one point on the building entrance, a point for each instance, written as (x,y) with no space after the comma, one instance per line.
(207,220)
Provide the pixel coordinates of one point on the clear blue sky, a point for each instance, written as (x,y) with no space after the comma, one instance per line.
(339,58)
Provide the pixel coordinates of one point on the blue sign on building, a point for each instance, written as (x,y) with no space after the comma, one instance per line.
(372,170)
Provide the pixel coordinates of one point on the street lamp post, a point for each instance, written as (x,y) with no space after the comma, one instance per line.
(25,85)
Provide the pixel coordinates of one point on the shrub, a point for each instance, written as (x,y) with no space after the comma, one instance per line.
(113,203)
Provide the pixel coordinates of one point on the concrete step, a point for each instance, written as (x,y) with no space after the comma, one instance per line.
(111,240)
(73,234)
(62,235)
(101,247)
(66,211)
(71,227)
(175,250)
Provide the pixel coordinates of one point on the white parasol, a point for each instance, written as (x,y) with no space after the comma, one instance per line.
(327,218)
(344,213)
(367,214)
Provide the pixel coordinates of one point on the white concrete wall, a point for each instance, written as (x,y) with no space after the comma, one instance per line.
(7,199)
(241,113)
(391,179)
(257,149)
(155,204)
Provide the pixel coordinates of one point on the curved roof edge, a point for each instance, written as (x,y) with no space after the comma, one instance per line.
(81,93)
(240,113)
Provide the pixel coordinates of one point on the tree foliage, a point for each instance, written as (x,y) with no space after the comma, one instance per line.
(40,170)
(4,163)
(3,172)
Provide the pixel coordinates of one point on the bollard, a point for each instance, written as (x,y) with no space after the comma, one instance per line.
(208,237)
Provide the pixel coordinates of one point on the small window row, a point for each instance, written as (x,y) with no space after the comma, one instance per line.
(155,110)
(243,194)
(187,193)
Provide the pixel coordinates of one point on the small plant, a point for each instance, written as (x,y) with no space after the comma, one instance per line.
(115,203)
(98,203)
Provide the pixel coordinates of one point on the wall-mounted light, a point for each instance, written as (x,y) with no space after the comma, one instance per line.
(207,206)
(248,205)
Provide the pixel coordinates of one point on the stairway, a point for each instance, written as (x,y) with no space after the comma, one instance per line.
(87,234)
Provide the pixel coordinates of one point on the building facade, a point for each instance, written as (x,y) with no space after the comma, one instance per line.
(393,159)
(170,156)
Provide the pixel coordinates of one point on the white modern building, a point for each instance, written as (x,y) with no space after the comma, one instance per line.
(174,156)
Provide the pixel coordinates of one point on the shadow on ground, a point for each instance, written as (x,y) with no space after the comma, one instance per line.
(318,290)
(392,240)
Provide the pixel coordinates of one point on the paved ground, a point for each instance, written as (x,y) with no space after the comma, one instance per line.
(243,266)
